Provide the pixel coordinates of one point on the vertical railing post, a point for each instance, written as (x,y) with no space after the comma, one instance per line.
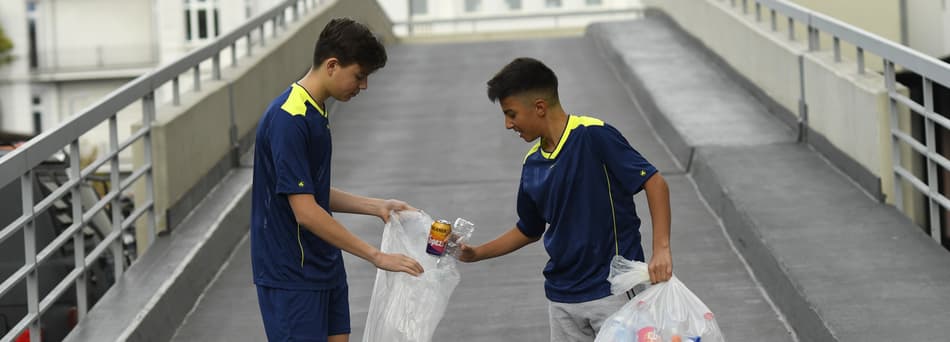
(895,126)
(79,243)
(860,58)
(29,253)
(197,74)
(932,181)
(148,116)
(813,39)
(234,54)
(249,43)
(176,92)
(216,66)
(116,189)
(774,19)
(837,48)
(791,29)
(263,39)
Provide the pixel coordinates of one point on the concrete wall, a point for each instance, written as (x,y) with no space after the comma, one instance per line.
(849,110)
(192,144)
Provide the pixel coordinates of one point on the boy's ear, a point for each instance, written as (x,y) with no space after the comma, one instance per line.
(331,65)
(540,107)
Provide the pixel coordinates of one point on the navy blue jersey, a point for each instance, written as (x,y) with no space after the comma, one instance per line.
(292,156)
(583,191)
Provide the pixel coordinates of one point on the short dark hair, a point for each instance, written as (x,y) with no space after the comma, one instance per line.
(350,42)
(523,75)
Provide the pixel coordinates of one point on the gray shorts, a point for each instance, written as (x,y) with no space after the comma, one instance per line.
(573,322)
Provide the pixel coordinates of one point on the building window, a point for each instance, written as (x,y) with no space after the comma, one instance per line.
(552,3)
(201,20)
(513,4)
(418,7)
(31,34)
(472,5)
(594,2)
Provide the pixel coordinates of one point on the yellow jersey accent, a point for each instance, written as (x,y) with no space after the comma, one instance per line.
(297,100)
(573,122)
(300,184)
(643,173)
(535,148)
(613,213)
(300,243)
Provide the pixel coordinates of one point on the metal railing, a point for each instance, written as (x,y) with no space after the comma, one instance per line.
(892,55)
(477,22)
(21,163)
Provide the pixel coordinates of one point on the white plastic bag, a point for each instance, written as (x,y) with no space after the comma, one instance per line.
(406,308)
(665,312)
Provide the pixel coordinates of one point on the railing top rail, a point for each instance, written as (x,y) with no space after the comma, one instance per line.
(517,16)
(930,67)
(36,150)
(787,9)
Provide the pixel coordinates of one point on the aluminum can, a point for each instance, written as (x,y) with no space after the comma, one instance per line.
(438,235)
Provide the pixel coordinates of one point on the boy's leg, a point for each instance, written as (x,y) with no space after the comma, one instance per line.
(291,315)
(572,322)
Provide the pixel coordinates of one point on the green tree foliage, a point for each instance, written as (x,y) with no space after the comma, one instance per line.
(5,47)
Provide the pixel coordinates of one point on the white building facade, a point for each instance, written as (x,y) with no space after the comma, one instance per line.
(69,54)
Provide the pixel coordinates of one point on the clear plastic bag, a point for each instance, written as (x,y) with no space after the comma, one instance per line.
(406,308)
(665,312)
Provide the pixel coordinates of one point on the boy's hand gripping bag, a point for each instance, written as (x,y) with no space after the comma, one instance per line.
(665,312)
(406,308)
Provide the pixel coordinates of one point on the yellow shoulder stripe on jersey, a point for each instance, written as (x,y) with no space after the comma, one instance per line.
(296,103)
(573,122)
(535,148)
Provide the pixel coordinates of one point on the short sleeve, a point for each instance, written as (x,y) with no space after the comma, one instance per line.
(626,164)
(530,221)
(290,145)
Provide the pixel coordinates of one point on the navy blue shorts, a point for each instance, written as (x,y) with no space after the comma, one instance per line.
(296,315)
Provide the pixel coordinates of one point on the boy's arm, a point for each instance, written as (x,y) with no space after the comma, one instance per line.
(503,244)
(658,197)
(344,202)
(321,224)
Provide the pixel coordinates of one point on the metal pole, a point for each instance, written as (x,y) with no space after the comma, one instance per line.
(114,184)
(895,125)
(176,98)
(860,58)
(79,243)
(932,181)
(216,66)
(148,116)
(197,74)
(29,253)
(837,48)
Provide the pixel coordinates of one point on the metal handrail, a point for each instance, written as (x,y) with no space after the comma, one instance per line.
(892,55)
(21,162)
(412,20)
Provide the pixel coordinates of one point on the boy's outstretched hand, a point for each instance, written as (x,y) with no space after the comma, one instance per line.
(397,263)
(660,266)
(468,253)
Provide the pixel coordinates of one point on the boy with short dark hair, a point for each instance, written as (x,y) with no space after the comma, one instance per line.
(577,187)
(295,242)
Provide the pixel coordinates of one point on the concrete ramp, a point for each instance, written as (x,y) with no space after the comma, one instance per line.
(425,132)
